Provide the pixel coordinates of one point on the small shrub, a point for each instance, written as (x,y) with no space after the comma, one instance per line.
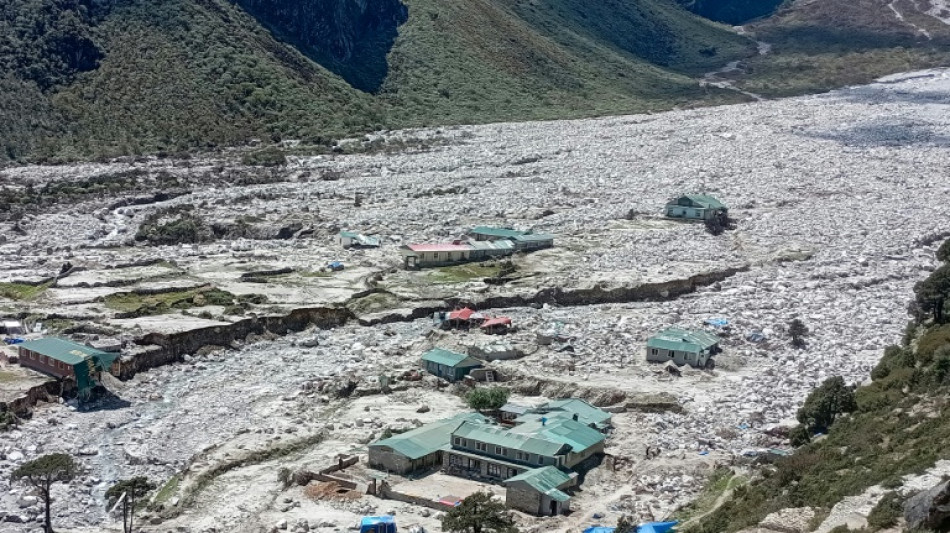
(285,476)
(886,513)
(799,436)
(266,157)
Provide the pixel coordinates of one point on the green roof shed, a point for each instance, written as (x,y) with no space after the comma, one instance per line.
(448,365)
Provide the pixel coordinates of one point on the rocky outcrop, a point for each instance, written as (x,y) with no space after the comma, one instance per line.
(929,510)
(350,38)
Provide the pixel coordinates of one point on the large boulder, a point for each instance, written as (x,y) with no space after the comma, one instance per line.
(930,509)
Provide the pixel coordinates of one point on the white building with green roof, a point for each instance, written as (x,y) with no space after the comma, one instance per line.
(695,207)
(683,347)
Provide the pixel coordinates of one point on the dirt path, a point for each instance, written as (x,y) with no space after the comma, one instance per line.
(723,498)
(719,78)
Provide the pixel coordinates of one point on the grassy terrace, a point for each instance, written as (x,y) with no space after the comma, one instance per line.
(464,273)
(22,291)
(155,304)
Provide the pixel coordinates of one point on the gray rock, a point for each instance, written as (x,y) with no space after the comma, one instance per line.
(929,509)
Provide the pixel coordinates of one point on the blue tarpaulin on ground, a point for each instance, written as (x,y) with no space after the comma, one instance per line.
(656,527)
(717,322)
(599,529)
(378,524)
(335,265)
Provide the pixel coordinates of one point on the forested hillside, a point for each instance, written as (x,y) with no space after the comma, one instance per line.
(86,78)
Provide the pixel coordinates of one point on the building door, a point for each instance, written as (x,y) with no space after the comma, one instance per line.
(554,510)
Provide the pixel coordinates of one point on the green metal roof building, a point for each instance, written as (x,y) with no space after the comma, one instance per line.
(448,365)
(418,448)
(682,346)
(570,408)
(538,491)
(488,233)
(695,207)
(65,359)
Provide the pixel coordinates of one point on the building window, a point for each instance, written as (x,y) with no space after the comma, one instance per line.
(458,441)
(500,451)
(481,446)
(519,456)
(540,460)
(494,470)
(32,355)
(455,460)
(464,442)
(654,351)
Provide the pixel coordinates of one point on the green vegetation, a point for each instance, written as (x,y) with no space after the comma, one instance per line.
(374,303)
(732,11)
(899,426)
(266,157)
(819,46)
(797,330)
(41,473)
(176,225)
(825,404)
(8,420)
(886,513)
(134,304)
(465,273)
(167,491)
(484,399)
(130,490)
(479,513)
(22,291)
(721,480)
(452,62)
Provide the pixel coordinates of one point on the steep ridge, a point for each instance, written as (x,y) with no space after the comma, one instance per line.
(351,39)
(184,74)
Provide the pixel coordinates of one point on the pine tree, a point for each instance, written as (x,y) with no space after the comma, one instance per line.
(42,473)
(479,513)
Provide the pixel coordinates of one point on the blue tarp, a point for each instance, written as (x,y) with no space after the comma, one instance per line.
(647,527)
(716,322)
(656,527)
(378,524)
(14,340)
(599,529)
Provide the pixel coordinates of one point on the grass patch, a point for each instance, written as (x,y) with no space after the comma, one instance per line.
(718,483)
(133,304)
(9,377)
(167,491)
(464,273)
(22,291)
(374,303)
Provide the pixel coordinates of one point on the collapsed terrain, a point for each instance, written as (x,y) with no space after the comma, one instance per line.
(839,202)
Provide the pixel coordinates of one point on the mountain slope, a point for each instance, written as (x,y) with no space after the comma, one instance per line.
(901,427)
(819,46)
(179,74)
